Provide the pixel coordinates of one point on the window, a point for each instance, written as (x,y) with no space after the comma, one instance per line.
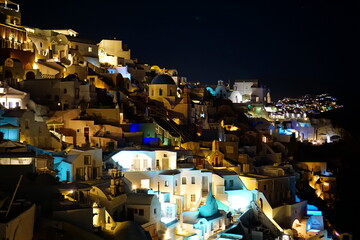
(87,160)
(231,183)
(89,49)
(166,183)
(77,93)
(165,155)
(65,90)
(192,197)
(192,180)
(141,212)
(175,183)
(183,180)
(145,183)
(135,210)
(160,92)
(154,210)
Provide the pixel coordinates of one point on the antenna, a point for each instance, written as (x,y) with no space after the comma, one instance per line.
(13,196)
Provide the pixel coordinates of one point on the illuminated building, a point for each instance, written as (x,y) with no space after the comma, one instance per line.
(205,222)
(11,98)
(163,87)
(62,94)
(221,91)
(79,164)
(144,209)
(21,125)
(12,35)
(138,160)
(113,52)
(249,90)
(10,12)
(229,189)
(23,222)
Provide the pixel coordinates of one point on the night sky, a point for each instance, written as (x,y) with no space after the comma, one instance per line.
(294,47)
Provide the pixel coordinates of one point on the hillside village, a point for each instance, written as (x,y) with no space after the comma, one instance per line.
(97,145)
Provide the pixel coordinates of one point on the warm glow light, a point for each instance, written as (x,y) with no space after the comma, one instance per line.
(239,202)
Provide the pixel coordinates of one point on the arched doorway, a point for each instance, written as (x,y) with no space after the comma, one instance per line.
(30,75)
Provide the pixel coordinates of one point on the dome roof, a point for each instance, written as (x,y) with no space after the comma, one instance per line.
(130,230)
(163,79)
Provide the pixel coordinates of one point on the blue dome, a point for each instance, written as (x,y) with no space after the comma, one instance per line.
(163,79)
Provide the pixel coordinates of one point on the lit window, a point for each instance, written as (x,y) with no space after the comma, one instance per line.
(87,160)
(89,49)
(183,180)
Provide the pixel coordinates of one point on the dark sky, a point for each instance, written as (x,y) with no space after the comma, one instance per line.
(292,46)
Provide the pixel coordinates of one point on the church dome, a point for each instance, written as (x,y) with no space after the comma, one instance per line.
(130,230)
(163,79)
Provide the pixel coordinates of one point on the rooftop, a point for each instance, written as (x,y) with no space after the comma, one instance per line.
(163,79)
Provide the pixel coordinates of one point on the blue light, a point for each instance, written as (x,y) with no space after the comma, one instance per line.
(64,171)
(111,70)
(151,141)
(314,213)
(10,134)
(135,127)
(285,131)
(313,210)
(211,91)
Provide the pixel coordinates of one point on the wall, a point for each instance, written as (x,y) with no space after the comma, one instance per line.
(285,215)
(112,47)
(21,227)
(166,90)
(190,188)
(110,116)
(78,162)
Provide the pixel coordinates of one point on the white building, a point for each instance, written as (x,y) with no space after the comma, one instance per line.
(80,164)
(228,189)
(249,90)
(142,160)
(113,52)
